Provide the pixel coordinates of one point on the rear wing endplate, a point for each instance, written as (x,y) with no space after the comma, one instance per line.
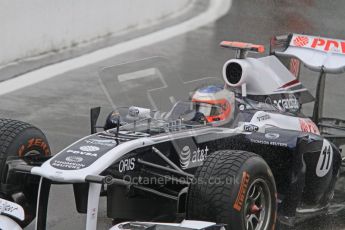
(317,53)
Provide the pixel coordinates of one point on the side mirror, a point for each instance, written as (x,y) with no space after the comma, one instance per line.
(94,114)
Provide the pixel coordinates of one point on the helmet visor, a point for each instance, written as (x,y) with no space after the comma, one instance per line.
(208,109)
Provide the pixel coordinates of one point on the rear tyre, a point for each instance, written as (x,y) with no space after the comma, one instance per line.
(235,188)
(20,140)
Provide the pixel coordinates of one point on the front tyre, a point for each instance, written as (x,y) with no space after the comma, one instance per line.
(20,140)
(235,188)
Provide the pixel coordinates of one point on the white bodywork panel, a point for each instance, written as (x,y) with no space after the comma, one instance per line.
(281,121)
(7,223)
(12,209)
(317,52)
(195,224)
(192,224)
(266,76)
(75,176)
(78,175)
(92,206)
(103,162)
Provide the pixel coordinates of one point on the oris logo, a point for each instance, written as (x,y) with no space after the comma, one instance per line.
(192,158)
(127,165)
(89,148)
(301,41)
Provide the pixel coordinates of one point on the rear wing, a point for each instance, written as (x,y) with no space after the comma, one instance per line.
(317,53)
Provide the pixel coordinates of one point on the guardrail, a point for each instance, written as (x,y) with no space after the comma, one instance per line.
(33,28)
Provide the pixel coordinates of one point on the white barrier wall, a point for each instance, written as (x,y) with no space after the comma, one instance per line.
(34,27)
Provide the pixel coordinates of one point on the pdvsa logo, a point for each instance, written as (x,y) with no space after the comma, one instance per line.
(319,43)
(192,158)
(301,41)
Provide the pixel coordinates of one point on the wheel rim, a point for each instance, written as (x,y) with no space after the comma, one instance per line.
(257,211)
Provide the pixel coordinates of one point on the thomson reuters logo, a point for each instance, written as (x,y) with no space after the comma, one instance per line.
(301,41)
(185,157)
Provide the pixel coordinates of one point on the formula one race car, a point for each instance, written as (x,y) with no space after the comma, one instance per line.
(239,154)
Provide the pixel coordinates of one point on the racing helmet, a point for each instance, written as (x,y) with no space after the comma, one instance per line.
(216,103)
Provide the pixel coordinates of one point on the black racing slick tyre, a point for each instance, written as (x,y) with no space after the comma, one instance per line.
(21,141)
(235,188)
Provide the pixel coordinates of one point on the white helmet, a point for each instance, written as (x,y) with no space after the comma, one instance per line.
(216,103)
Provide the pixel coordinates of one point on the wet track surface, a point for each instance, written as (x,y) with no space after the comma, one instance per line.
(60,106)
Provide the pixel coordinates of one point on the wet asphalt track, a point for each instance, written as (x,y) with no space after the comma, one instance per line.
(60,106)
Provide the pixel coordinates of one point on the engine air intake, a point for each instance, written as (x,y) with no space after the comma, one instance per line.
(233,72)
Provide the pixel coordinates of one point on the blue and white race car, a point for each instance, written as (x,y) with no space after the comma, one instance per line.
(240,154)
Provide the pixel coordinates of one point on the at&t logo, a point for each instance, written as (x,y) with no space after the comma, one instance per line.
(190,159)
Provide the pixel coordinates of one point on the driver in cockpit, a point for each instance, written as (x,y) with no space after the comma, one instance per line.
(214,104)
